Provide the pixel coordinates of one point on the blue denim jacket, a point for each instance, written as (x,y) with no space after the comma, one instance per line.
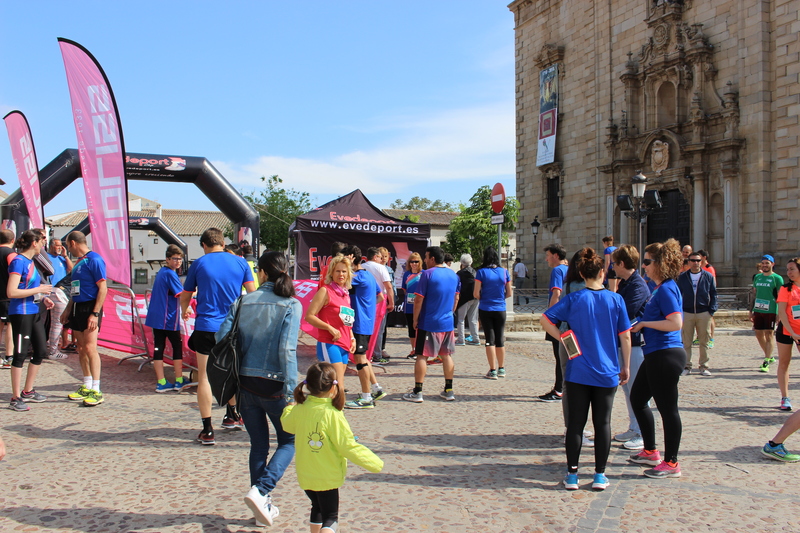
(268,330)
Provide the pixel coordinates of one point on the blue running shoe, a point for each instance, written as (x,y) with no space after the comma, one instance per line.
(779,453)
(571,481)
(166,386)
(600,482)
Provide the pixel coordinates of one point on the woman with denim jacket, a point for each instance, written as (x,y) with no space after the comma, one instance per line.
(269,321)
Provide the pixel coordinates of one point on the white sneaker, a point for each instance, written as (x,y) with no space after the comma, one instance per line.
(57,355)
(625,437)
(261,506)
(705,372)
(686,371)
(412,396)
(636,443)
(588,442)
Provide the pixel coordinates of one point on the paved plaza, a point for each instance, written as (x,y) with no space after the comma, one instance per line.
(490,461)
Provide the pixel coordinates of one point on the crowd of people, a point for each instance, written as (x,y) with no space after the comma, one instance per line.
(610,324)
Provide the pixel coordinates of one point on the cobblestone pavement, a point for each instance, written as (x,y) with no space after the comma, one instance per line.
(490,461)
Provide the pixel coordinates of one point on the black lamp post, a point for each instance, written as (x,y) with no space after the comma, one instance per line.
(638,205)
(535,229)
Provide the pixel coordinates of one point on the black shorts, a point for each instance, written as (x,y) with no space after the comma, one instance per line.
(4,310)
(764,321)
(202,342)
(362,343)
(781,337)
(81,311)
(412,333)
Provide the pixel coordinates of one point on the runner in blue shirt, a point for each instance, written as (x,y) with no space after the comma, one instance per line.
(163,317)
(435,301)
(27,294)
(84,315)
(492,287)
(556,257)
(62,265)
(598,320)
(218,278)
(664,360)
(365,295)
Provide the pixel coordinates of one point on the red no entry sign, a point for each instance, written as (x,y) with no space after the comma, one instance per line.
(498,198)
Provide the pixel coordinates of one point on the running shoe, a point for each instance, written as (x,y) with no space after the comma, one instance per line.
(57,355)
(379,360)
(80,394)
(765,365)
(359,403)
(501,372)
(663,470)
(571,481)
(786,404)
(468,338)
(600,482)
(206,438)
(167,386)
(72,347)
(435,361)
(232,423)
(5,362)
(461,343)
(475,342)
(491,374)
(636,443)
(551,396)
(779,453)
(646,457)
(378,395)
(710,344)
(180,385)
(448,395)
(93,398)
(626,436)
(17,404)
(587,442)
(261,506)
(33,397)
(696,342)
(412,396)
(705,372)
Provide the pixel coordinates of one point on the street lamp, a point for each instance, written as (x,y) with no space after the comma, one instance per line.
(535,229)
(643,203)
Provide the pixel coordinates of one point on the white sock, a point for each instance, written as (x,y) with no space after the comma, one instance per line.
(87,382)
(366,396)
(96,385)
(375,387)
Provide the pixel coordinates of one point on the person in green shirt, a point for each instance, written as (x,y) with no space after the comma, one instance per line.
(765,308)
(324,442)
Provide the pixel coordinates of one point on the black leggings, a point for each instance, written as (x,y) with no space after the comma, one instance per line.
(27,330)
(494,327)
(601,399)
(160,337)
(557,386)
(324,507)
(658,379)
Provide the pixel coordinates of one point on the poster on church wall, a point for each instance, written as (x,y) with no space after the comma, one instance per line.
(548,115)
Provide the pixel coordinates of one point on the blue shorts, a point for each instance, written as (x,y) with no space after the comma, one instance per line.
(331,353)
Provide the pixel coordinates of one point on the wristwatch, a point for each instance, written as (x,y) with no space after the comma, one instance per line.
(95,313)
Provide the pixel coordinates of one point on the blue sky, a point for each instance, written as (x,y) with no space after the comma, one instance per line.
(399,99)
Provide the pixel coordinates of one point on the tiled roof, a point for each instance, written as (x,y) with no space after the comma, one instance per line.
(181,221)
(434,218)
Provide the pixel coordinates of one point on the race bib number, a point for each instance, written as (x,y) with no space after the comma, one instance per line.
(37,297)
(761,305)
(75,287)
(796,312)
(410,298)
(347,315)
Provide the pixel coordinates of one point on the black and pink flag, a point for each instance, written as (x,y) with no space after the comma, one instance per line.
(19,134)
(102,154)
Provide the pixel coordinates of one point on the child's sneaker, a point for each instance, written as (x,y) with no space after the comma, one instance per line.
(646,457)
(600,482)
(664,469)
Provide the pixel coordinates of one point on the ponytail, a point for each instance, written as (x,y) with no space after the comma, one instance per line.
(26,240)
(319,380)
(274,265)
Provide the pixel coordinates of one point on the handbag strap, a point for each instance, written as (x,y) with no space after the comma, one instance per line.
(235,326)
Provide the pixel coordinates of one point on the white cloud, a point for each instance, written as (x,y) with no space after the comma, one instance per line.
(464,144)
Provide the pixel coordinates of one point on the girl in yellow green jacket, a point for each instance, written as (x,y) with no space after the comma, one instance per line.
(324,442)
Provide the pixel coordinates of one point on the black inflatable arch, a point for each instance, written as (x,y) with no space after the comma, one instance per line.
(154,224)
(65,168)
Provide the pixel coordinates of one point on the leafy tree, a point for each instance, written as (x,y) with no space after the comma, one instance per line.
(423,204)
(472,230)
(277,208)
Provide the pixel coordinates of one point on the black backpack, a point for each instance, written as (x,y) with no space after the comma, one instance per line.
(223,363)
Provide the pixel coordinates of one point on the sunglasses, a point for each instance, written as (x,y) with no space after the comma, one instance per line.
(647,262)
(413,262)
(695,260)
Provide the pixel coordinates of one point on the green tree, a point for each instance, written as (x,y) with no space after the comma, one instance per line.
(423,204)
(472,230)
(277,208)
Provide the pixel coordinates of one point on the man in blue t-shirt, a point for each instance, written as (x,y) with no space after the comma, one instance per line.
(62,265)
(556,257)
(364,297)
(84,314)
(218,278)
(435,300)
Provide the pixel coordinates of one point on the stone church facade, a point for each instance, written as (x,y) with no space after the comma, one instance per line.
(702,97)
